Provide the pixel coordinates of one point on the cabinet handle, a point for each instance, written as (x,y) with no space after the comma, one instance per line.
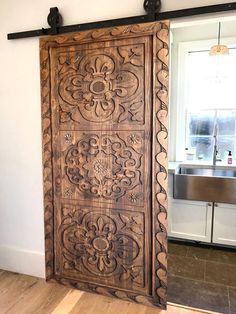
(216,205)
(209,204)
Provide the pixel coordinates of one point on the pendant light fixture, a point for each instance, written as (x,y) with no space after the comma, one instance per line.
(219,49)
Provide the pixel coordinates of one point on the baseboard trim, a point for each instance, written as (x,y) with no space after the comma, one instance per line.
(22,261)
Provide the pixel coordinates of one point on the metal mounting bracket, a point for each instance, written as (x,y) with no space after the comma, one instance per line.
(54,20)
(152,7)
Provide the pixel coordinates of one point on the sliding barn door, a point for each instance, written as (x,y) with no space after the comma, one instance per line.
(104,117)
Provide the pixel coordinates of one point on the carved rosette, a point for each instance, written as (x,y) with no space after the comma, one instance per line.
(104,166)
(96,244)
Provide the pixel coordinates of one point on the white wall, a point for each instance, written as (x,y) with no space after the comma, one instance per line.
(21,203)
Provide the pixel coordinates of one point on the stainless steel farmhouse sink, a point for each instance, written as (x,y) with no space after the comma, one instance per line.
(208,172)
(209,184)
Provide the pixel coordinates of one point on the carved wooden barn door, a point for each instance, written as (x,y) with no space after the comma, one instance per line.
(104,117)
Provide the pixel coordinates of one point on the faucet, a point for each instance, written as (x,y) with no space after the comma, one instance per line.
(215,152)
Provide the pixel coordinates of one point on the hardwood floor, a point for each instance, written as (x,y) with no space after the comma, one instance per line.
(21,294)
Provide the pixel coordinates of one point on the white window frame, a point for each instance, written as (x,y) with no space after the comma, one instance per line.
(178,129)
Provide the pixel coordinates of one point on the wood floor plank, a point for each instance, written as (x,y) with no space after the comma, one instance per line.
(43,298)
(12,287)
(68,302)
(8,279)
(124,307)
(96,304)
(91,303)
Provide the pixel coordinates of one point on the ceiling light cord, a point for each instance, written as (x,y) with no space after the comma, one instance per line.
(219,49)
(219,33)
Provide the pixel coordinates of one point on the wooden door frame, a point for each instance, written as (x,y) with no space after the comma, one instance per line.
(159,31)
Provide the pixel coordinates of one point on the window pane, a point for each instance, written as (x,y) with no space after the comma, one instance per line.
(202,123)
(211,82)
(204,147)
(226,143)
(226,121)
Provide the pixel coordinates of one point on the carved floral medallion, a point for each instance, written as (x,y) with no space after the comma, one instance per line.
(102,87)
(103,245)
(104,166)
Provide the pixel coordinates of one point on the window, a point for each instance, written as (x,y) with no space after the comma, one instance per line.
(208,101)
(211,104)
(200,133)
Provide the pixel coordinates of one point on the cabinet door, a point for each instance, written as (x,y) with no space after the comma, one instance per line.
(190,220)
(224,231)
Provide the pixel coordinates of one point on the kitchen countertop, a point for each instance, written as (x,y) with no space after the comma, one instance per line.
(173,165)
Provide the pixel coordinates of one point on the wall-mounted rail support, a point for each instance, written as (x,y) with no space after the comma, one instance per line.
(152,8)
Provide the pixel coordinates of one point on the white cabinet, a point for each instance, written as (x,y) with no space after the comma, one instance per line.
(224,224)
(190,220)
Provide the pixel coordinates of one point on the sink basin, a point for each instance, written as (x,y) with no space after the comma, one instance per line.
(205,184)
(208,172)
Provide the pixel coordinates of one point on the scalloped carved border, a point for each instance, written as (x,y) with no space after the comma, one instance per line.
(160,33)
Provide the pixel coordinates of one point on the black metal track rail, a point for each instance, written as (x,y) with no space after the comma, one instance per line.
(150,17)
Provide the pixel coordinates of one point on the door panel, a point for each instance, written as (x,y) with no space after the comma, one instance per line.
(102,248)
(104,166)
(110,84)
(104,113)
